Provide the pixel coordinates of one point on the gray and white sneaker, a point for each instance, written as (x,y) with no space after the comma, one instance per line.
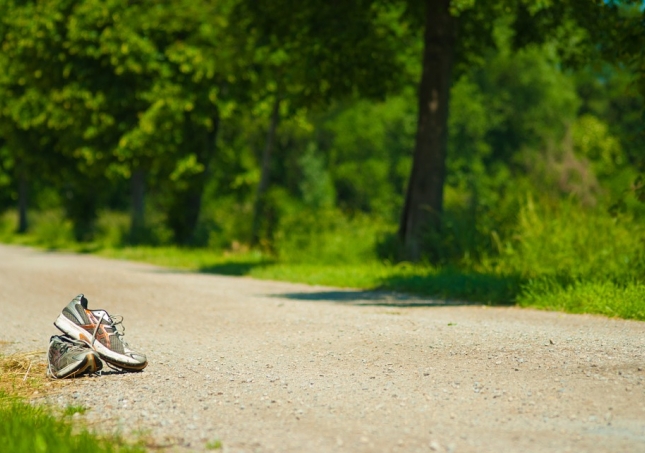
(99,331)
(70,358)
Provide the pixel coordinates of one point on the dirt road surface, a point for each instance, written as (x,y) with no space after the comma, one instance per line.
(275,367)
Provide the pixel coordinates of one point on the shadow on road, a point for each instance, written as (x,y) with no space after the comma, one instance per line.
(447,287)
(237,269)
(417,287)
(372,298)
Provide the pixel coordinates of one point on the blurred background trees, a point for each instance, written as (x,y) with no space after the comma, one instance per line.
(292,127)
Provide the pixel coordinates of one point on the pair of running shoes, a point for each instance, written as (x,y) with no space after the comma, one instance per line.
(90,337)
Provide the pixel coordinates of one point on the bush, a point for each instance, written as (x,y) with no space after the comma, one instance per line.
(567,240)
(51,229)
(326,236)
(625,300)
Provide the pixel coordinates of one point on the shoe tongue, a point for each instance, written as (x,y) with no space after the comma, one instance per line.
(83,301)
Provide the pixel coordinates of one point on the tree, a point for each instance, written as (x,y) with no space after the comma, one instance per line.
(624,44)
(424,198)
(118,89)
(455,34)
(310,54)
(35,108)
(163,80)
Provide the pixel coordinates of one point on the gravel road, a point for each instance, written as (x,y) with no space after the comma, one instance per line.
(266,366)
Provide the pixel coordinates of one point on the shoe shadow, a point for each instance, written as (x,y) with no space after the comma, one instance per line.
(110,372)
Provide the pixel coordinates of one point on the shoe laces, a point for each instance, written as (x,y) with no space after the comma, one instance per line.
(115,321)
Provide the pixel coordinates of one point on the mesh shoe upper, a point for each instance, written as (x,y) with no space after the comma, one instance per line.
(97,326)
(68,357)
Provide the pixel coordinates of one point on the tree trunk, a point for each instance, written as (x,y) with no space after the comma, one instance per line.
(424,199)
(265,172)
(194,200)
(22,203)
(137,215)
(186,207)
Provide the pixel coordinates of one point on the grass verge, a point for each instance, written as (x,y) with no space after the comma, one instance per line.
(495,287)
(25,428)
(28,428)
(552,257)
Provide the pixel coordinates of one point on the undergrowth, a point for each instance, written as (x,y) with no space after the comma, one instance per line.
(547,255)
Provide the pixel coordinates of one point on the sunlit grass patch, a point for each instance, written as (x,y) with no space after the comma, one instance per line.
(34,428)
(70,411)
(192,259)
(551,254)
(605,297)
(25,428)
(214,445)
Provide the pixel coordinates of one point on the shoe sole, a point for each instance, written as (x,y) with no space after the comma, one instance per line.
(89,364)
(118,360)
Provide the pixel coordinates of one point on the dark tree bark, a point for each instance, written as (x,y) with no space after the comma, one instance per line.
(186,206)
(424,199)
(137,215)
(81,206)
(258,208)
(22,203)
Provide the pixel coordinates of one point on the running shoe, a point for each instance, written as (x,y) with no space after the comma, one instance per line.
(100,331)
(70,358)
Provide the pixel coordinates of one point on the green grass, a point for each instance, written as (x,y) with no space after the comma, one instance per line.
(553,256)
(69,411)
(28,428)
(214,445)
(25,428)
(625,300)
(601,296)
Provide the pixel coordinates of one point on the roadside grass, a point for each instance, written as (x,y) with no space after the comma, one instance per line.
(23,374)
(557,256)
(214,445)
(25,428)
(626,300)
(28,428)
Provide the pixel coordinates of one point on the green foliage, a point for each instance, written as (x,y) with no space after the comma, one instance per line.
(624,300)
(571,242)
(540,150)
(326,236)
(315,185)
(369,146)
(25,428)
(52,230)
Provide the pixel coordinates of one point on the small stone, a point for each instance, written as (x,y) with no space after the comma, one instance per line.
(434,446)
